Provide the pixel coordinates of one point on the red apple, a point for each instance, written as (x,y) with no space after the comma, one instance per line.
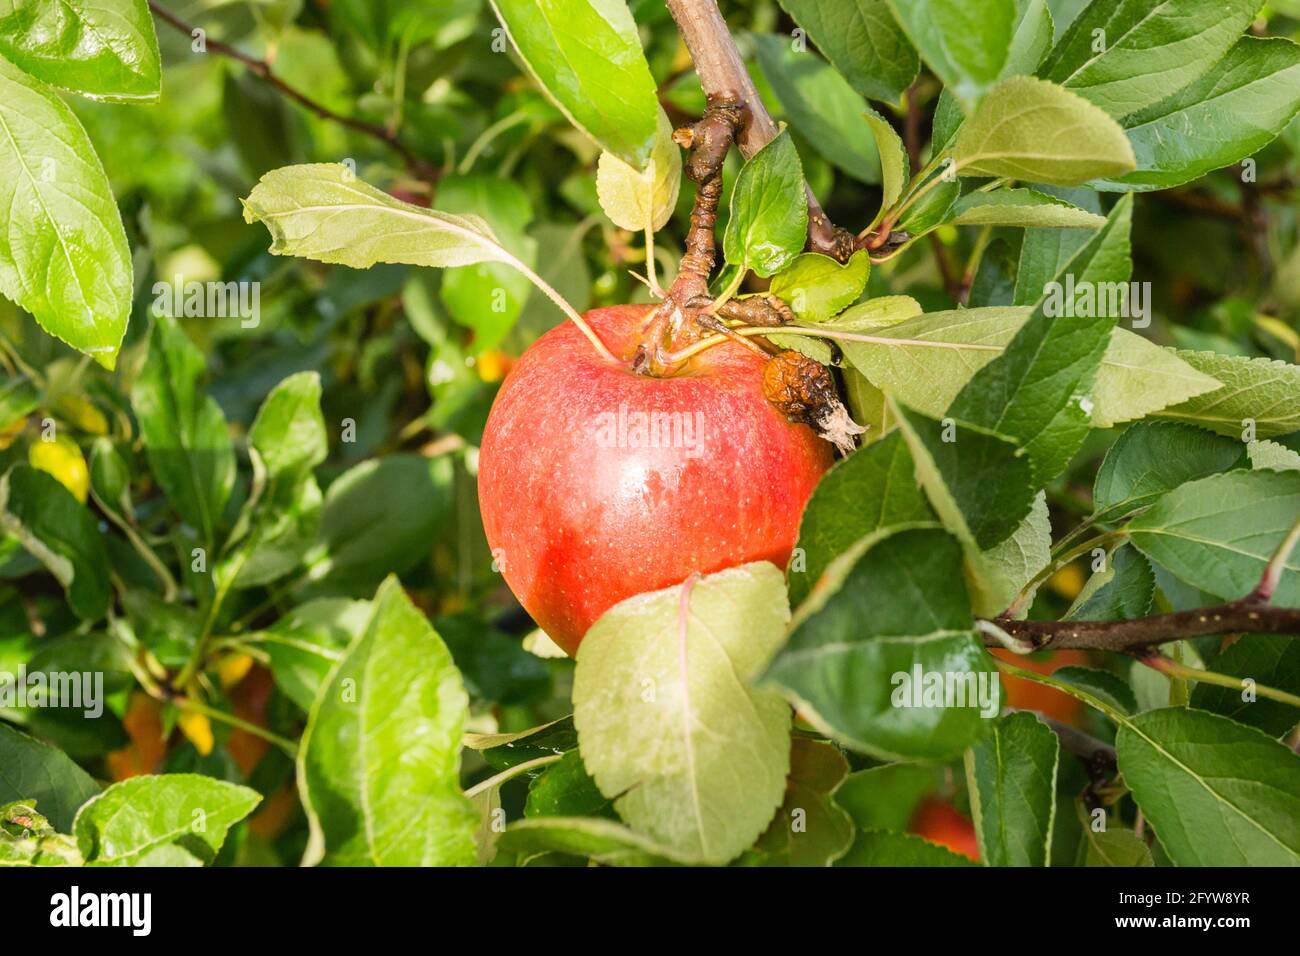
(939,822)
(597,483)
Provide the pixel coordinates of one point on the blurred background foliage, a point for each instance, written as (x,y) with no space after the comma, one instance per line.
(412,358)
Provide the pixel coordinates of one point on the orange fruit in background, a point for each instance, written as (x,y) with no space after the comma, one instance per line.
(143,726)
(939,822)
(1025,694)
(248,699)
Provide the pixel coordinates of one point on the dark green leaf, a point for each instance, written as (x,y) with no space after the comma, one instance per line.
(1269,659)
(821,106)
(863,41)
(871,489)
(1152,458)
(1037,391)
(183,429)
(881,848)
(37,772)
(1012,778)
(1217,793)
(565,789)
(769,210)
(61,533)
(1127,54)
(1218,533)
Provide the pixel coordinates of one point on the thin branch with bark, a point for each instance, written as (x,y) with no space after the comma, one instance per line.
(260,68)
(1252,614)
(725,80)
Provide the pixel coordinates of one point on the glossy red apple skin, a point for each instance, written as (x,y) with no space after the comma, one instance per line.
(579,520)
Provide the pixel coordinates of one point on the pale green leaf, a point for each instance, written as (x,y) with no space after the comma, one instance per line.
(668,721)
(1012,782)
(379,761)
(637,199)
(1029,129)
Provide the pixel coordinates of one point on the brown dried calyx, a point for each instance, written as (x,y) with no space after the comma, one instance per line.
(804,391)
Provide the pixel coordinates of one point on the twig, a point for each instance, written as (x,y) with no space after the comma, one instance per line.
(1252,614)
(725,80)
(262,70)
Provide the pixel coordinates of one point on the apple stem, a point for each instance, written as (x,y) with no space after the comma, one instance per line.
(547,290)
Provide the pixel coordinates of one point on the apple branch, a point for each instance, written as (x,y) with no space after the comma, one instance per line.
(1253,613)
(725,80)
(262,70)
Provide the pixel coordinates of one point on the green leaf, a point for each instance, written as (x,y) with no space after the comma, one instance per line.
(863,41)
(895,164)
(1269,659)
(1021,208)
(381,517)
(885,797)
(1100,684)
(926,360)
(183,430)
(996,575)
(37,773)
(27,839)
(503,751)
(1270,454)
(873,488)
(1254,391)
(63,255)
(289,430)
(61,533)
(106,50)
(308,641)
(978,482)
(1026,128)
(1233,111)
(110,478)
(1154,457)
(586,55)
(489,297)
(881,848)
(1218,533)
(379,762)
(1128,54)
(821,105)
(965,44)
(1037,391)
(1121,591)
(1012,783)
(603,841)
(1044,252)
(1216,793)
(769,210)
(1118,847)
(818,287)
(322,211)
(18,399)
(281,517)
(889,616)
(809,828)
(667,720)
(133,820)
(637,199)
(565,789)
